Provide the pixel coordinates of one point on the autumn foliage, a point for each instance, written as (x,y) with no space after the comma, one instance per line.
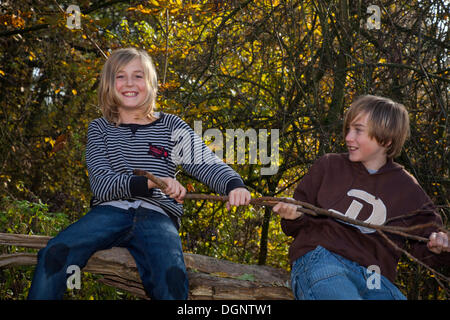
(290,65)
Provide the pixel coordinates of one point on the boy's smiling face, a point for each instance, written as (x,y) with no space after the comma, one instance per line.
(362,147)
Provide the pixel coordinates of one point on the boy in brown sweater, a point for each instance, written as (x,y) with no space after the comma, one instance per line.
(335,260)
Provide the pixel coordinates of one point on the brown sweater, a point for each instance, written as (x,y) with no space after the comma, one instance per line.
(335,183)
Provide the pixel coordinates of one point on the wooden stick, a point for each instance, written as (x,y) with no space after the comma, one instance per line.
(303,207)
(270,201)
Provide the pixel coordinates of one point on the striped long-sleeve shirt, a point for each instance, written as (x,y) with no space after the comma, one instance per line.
(113,152)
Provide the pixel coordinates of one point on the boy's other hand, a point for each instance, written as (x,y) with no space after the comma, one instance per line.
(287,211)
(438,242)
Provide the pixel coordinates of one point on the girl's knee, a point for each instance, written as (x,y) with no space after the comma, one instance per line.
(54,257)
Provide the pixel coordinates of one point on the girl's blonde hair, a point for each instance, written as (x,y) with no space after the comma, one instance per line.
(388,121)
(108,97)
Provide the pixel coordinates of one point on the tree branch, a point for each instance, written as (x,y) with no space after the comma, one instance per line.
(303,207)
(209,278)
(25,30)
(396,65)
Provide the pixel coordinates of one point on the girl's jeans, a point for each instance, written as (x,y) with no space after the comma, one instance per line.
(323,275)
(150,236)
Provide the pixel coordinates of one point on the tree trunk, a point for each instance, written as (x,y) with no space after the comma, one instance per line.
(209,278)
(264,236)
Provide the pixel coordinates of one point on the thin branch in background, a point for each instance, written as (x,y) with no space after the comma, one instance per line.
(85,33)
(166,55)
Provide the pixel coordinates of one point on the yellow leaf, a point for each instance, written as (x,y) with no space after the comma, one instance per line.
(2,72)
(50,140)
(57,91)
(32,56)
(74,92)
(220,274)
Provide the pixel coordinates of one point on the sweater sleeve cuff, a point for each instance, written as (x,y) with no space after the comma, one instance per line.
(292,227)
(139,187)
(233,184)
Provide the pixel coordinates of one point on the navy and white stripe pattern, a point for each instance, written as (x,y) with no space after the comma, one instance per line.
(113,152)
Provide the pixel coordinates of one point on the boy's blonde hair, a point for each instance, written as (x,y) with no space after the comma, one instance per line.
(388,121)
(108,97)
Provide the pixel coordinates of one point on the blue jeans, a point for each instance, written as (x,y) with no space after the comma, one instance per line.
(324,275)
(151,238)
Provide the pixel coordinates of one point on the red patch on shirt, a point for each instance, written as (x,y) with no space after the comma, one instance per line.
(157,151)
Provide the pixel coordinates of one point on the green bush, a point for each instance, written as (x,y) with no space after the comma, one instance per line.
(25,217)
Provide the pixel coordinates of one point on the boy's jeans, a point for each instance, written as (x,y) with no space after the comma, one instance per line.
(150,236)
(323,275)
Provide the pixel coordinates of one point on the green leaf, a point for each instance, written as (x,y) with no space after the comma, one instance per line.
(246,277)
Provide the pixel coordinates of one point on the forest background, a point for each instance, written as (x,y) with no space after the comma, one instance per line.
(263,64)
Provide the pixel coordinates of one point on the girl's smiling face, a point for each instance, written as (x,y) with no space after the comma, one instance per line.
(130,85)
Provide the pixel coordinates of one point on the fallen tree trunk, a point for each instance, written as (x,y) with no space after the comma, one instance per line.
(209,278)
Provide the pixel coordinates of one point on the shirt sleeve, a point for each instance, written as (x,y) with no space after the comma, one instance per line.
(426,215)
(106,184)
(199,161)
(306,191)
